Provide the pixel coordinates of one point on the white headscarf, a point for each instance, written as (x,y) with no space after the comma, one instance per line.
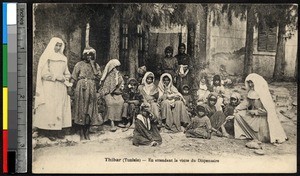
(170,88)
(89,50)
(148,87)
(109,67)
(48,54)
(262,89)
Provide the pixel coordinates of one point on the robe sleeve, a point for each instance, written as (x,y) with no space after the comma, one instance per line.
(98,73)
(75,73)
(46,74)
(208,124)
(67,74)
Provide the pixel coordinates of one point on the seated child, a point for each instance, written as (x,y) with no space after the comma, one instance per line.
(203,90)
(132,100)
(218,88)
(188,98)
(227,82)
(145,131)
(229,111)
(200,127)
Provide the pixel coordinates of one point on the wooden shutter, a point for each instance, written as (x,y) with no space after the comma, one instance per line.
(262,41)
(272,36)
(271,44)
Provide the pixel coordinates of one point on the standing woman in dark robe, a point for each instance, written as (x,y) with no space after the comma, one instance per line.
(84,76)
(168,64)
(146,132)
(185,67)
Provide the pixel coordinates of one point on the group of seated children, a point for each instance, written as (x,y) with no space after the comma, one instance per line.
(166,107)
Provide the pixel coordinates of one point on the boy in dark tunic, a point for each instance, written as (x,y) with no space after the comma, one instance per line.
(145,131)
(133,99)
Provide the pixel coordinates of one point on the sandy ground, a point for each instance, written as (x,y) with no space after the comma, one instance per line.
(175,155)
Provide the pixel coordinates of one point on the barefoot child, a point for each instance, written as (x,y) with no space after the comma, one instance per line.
(146,132)
(200,127)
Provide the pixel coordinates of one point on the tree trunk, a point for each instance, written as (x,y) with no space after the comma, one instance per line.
(191,39)
(87,35)
(248,62)
(280,54)
(203,34)
(133,49)
(114,48)
(146,46)
(296,68)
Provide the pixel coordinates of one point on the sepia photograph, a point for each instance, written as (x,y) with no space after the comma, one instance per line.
(164,88)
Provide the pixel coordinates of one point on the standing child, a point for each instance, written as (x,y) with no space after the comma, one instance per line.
(218,88)
(84,76)
(203,90)
(145,131)
(200,127)
(188,98)
(132,98)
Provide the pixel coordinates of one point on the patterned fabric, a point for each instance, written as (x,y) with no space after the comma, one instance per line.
(111,90)
(86,94)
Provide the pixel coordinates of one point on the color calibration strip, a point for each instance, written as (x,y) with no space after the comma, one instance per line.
(12,84)
(5,89)
(10,104)
(21,88)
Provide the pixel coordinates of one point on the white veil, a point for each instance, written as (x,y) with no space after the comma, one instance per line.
(47,54)
(277,133)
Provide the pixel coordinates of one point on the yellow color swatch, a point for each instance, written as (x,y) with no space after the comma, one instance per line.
(5,108)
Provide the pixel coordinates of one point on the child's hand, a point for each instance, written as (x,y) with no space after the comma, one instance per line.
(70,91)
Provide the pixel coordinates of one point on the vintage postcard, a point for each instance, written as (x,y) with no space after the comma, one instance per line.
(164,88)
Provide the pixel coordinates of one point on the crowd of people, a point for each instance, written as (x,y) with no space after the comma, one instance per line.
(148,107)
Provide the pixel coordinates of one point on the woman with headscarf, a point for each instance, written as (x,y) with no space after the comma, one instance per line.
(172,104)
(150,95)
(85,75)
(168,64)
(52,102)
(217,117)
(111,89)
(259,120)
(185,67)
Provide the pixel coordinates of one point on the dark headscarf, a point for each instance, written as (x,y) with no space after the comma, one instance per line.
(181,45)
(169,48)
(217,78)
(210,96)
